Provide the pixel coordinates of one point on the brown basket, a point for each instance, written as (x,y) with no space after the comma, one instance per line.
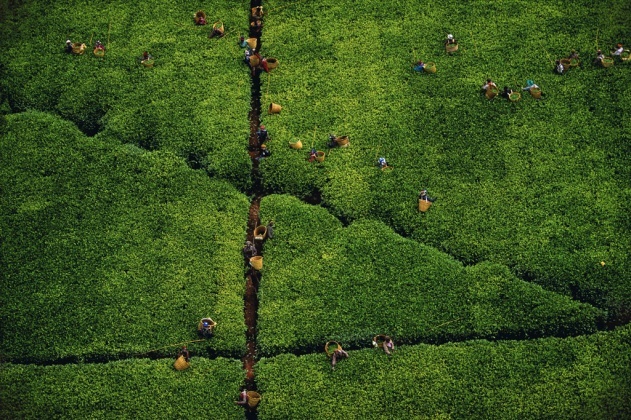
(254,61)
(607,62)
(99,52)
(379,340)
(535,92)
(147,63)
(256,262)
(218,26)
(181,363)
(430,67)
(200,17)
(260,233)
(272,63)
(424,205)
(342,141)
(451,47)
(567,63)
(574,62)
(491,92)
(253,398)
(274,108)
(78,48)
(320,156)
(328,350)
(257,11)
(296,145)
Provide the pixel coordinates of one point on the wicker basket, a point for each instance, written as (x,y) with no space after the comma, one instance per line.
(256,262)
(331,346)
(78,48)
(272,63)
(451,47)
(181,363)
(574,62)
(260,233)
(148,62)
(430,67)
(491,92)
(257,11)
(607,62)
(514,97)
(251,43)
(342,141)
(424,205)
(320,156)
(535,92)
(254,61)
(218,26)
(274,108)
(567,63)
(200,18)
(378,340)
(99,52)
(253,399)
(200,326)
(296,145)
(625,55)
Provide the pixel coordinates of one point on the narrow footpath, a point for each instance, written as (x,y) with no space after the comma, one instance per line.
(253,277)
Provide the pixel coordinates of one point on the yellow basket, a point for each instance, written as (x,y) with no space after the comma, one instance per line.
(607,62)
(328,347)
(181,363)
(320,156)
(296,145)
(256,262)
(424,205)
(451,47)
(260,233)
(78,48)
(272,63)
(253,399)
(514,97)
(99,52)
(491,92)
(430,67)
(342,141)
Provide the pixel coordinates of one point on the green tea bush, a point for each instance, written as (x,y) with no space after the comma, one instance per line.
(110,250)
(578,377)
(323,281)
(141,389)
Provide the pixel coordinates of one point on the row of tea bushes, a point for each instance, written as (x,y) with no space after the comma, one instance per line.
(139,389)
(110,250)
(579,378)
(323,281)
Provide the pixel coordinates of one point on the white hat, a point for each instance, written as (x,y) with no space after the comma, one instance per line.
(450,36)
(68,41)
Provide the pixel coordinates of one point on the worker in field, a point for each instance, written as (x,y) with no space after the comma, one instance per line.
(423,195)
(68,46)
(256,28)
(313,154)
(619,49)
(388,345)
(261,134)
(381,162)
(264,152)
(270,229)
(185,353)
(598,61)
(573,55)
(338,353)
(530,85)
(243,398)
(450,40)
(419,66)
(506,92)
(559,67)
(489,83)
(249,250)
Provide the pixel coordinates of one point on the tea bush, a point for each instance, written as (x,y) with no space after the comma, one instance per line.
(110,250)
(325,282)
(578,377)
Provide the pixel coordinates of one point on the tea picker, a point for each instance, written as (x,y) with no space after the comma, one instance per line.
(206,327)
(261,134)
(334,350)
(182,359)
(419,66)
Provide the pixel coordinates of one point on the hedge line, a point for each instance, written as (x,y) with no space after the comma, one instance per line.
(110,250)
(577,378)
(540,186)
(141,389)
(325,282)
(194,102)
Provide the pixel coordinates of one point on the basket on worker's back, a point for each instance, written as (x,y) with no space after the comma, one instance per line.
(424,205)
(430,67)
(491,92)
(260,233)
(535,92)
(342,141)
(625,55)
(181,363)
(514,97)
(257,262)
(331,346)
(253,399)
(451,47)
(78,48)
(296,145)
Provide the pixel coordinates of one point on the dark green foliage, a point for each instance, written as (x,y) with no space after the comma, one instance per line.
(325,282)
(539,186)
(139,389)
(577,378)
(194,102)
(108,249)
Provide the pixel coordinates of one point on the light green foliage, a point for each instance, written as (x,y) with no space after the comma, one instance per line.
(323,281)
(539,186)
(139,389)
(108,249)
(579,378)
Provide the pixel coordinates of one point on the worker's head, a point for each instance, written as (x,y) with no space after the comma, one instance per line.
(599,52)
(450,36)
(262,127)
(529,82)
(488,80)
(263,147)
(68,41)
(619,45)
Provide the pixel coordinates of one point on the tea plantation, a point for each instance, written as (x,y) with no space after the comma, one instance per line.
(127,192)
